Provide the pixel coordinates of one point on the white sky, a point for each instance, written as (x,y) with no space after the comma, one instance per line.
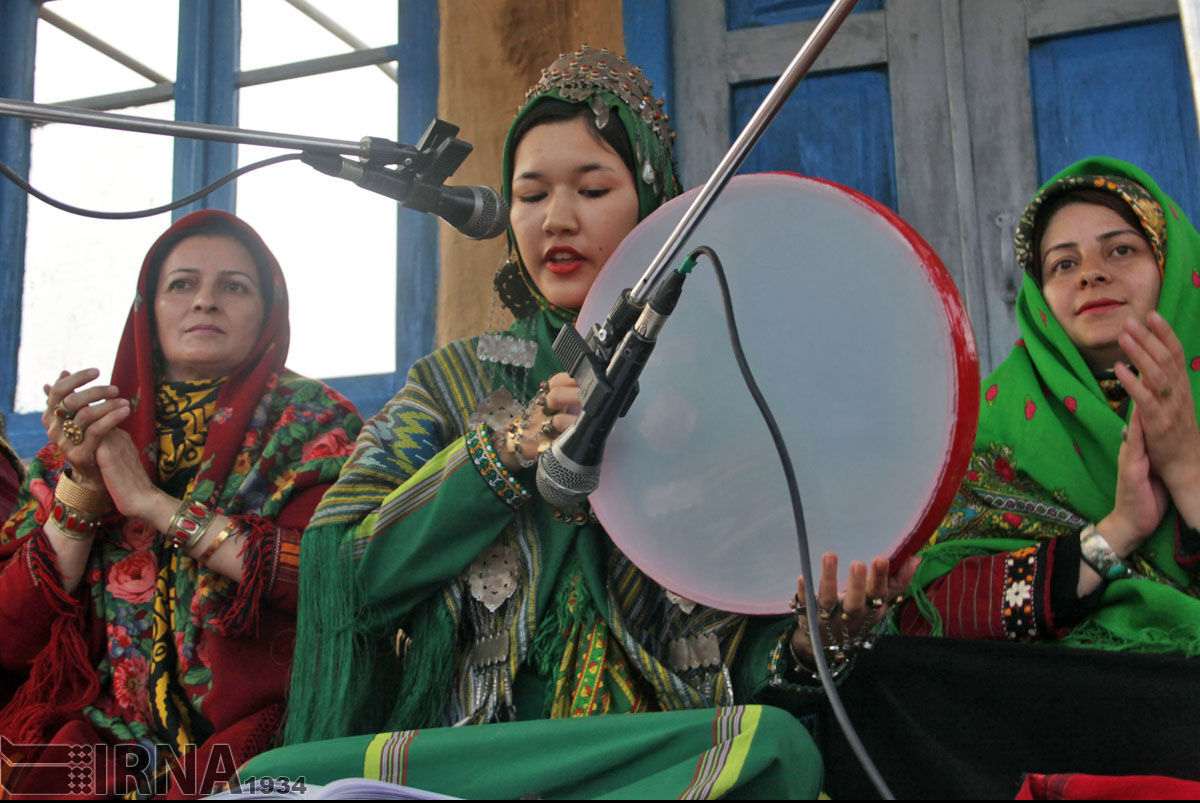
(336,242)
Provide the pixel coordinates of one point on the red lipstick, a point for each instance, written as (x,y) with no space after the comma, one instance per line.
(562,260)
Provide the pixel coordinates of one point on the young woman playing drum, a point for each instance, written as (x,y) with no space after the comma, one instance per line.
(440,589)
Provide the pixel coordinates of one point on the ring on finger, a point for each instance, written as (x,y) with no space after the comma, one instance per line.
(875,603)
(73,431)
(826,614)
(549,429)
(1165,392)
(63,412)
(547,410)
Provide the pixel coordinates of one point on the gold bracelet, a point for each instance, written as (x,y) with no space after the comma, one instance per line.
(82,499)
(78,525)
(227,531)
(188,525)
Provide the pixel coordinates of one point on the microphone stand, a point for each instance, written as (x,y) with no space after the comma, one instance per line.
(799,66)
(424,168)
(371,150)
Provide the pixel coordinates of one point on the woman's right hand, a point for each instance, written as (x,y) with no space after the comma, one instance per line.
(1140,499)
(95,411)
(559,398)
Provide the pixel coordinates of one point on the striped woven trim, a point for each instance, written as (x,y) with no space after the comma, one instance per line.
(420,489)
(386,758)
(424,485)
(718,768)
(671,692)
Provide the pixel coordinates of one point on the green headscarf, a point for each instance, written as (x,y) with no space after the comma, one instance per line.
(1045,412)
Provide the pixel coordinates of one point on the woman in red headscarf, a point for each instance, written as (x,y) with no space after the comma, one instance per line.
(148,576)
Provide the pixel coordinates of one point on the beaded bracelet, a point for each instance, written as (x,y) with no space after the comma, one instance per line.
(494,472)
(839,659)
(189,523)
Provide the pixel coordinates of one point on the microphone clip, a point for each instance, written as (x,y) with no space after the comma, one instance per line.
(420,171)
(587,359)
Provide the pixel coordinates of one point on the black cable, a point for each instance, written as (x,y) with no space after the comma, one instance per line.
(12,176)
(835,701)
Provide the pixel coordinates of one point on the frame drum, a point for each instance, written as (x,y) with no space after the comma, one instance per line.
(861,347)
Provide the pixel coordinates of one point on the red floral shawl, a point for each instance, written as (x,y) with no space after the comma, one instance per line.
(276,441)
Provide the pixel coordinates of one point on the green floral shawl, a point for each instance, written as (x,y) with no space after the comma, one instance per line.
(1046,450)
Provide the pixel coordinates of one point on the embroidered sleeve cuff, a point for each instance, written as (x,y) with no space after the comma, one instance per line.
(1065,607)
(767,674)
(493,471)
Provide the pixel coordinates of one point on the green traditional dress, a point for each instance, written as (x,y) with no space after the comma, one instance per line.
(438,591)
(1005,562)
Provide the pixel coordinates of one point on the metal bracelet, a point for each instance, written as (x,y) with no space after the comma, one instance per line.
(1099,554)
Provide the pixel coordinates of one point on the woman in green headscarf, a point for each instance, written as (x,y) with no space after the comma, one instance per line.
(439,588)
(1076,518)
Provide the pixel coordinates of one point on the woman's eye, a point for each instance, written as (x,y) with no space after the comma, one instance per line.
(1062,265)
(531,197)
(236,287)
(1123,250)
(594,193)
(178,284)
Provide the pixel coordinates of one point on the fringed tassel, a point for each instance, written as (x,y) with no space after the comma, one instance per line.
(1094,635)
(61,682)
(571,612)
(326,665)
(260,563)
(62,679)
(427,670)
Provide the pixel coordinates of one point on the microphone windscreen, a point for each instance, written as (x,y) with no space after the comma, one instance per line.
(491,218)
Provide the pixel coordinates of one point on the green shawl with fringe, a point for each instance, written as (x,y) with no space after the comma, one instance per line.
(387,621)
(1047,431)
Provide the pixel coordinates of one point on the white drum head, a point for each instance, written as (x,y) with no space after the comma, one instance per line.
(859,342)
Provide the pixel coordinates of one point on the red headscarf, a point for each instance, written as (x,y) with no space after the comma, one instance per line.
(138,357)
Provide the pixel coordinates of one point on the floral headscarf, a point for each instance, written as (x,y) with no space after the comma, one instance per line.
(1147,210)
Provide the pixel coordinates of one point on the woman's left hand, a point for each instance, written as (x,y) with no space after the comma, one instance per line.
(1162,394)
(131,490)
(870,592)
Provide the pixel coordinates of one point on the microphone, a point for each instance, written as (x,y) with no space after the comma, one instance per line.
(479,212)
(570,469)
